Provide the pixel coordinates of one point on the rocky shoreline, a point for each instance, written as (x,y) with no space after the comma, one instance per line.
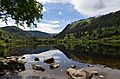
(14,64)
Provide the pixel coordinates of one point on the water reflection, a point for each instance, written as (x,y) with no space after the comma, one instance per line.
(79,55)
(93,54)
(98,54)
(59,57)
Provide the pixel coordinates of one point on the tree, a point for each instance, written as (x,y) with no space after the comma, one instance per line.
(22,11)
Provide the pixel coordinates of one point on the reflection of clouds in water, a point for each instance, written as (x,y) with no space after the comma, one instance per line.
(56,54)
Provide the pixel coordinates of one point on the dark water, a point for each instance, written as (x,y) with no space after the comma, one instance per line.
(104,58)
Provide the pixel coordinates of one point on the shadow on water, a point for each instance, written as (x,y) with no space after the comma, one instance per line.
(94,54)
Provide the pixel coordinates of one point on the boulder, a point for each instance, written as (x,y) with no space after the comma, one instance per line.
(79,74)
(36,59)
(2,73)
(49,60)
(94,72)
(15,65)
(73,66)
(22,57)
(38,67)
(53,66)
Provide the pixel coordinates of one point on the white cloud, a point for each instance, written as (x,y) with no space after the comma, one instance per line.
(10,22)
(90,7)
(96,7)
(60,13)
(52,22)
(44,10)
(53,1)
(48,26)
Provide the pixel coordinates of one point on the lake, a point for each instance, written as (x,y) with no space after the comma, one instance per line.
(103,58)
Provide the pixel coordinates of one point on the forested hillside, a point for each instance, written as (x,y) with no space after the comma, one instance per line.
(13,34)
(105,26)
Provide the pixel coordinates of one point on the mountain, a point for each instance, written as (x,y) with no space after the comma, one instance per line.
(105,26)
(39,34)
(18,33)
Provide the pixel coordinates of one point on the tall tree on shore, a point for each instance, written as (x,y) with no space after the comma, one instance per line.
(22,11)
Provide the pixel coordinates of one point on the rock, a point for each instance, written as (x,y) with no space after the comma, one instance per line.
(101,76)
(36,59)
(73,66)
(49,60)
(79,74)
(8,58)
(90,65)
(53,65)
(22,57)
(2,73)
(38,67)
(94,73)
(15,65)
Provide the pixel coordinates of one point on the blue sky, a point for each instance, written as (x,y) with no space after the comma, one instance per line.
(58,13)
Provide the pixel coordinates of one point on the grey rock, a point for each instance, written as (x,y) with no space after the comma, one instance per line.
(38,67)
(49,60)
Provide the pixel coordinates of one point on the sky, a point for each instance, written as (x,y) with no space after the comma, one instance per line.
(58,13)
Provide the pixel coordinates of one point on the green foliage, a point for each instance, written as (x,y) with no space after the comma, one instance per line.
(106,26)
(22,11)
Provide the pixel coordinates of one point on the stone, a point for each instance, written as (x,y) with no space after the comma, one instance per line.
(15,65)
(22,57)
(53,65)
(101,76)
(38,67)
(36,59)
(49,60)
(2,73)
(94,72)
(73,66)
(79,74)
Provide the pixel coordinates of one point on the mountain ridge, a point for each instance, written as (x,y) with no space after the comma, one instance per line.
(93,28)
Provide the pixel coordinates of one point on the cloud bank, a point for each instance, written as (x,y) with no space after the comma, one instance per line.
(89,7)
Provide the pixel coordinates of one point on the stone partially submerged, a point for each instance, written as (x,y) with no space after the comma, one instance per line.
(36,59)
(12,64)
(79,74)
(38,67)
(53,66)
(49,60)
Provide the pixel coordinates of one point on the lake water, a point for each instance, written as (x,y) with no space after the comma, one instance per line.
(103,58)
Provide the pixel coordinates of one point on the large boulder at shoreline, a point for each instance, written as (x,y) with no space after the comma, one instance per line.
(38,67)
(79,74)
(49,60)
(15,65)
(12,63)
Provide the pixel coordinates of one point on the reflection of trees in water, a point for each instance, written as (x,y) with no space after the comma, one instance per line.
(21,50)
(3,52)
(94,54)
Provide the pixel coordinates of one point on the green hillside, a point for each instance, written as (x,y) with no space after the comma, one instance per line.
(105,26)
(39,34)
(13,34)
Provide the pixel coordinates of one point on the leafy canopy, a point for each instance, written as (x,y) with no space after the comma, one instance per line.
(22,11)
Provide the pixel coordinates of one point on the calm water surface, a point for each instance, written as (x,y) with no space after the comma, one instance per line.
(104,59)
